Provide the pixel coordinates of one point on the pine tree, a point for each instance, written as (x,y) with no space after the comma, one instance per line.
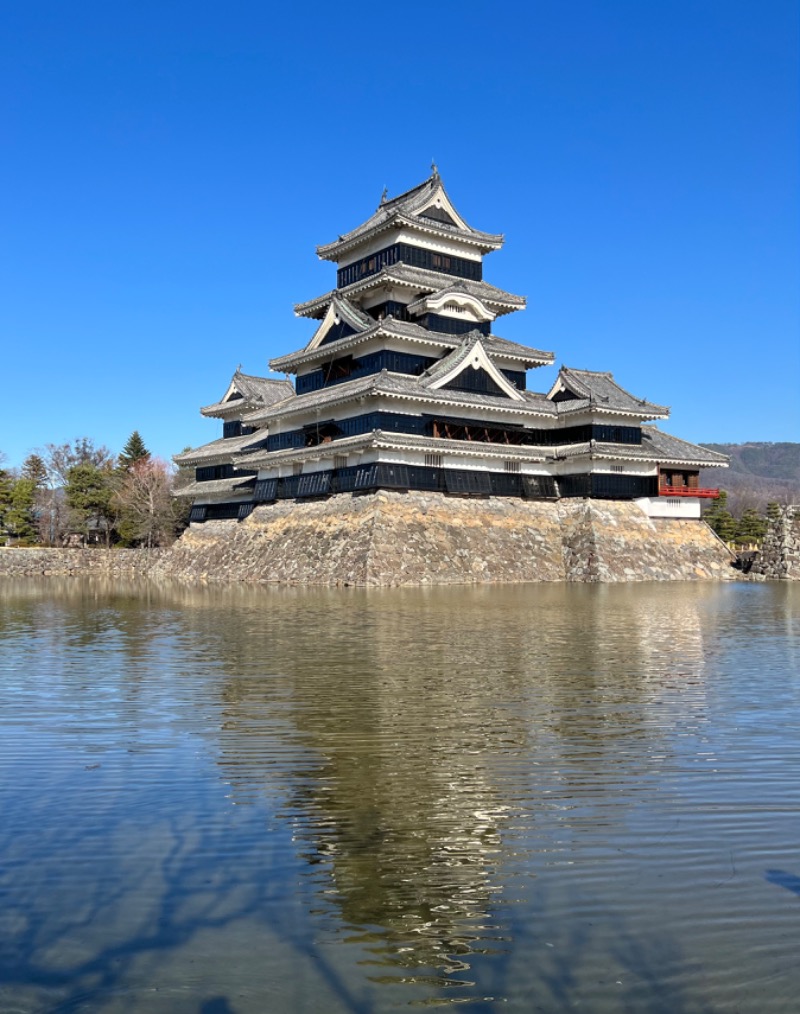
(20,518)
(720,519)
(89,494)
(6,487)
(133,451)
(751,527)
(34,468)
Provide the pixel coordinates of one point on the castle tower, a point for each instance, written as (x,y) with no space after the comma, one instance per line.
(406,385)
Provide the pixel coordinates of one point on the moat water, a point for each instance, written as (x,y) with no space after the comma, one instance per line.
(538,798)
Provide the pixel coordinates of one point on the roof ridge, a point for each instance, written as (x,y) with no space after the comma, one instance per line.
(594,373)
(268,380)
(407,193)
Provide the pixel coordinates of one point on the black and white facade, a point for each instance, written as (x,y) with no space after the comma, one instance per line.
(405,385)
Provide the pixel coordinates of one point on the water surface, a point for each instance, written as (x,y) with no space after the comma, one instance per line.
(537,798)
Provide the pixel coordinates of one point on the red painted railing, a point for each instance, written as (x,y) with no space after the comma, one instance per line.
(709,494)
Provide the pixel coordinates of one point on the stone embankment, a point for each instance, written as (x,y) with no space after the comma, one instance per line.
(412,539)
(40,562)
(417,538)
(780,551)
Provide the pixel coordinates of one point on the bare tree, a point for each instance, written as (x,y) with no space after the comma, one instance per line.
(145,505)
(60,458)
(51,508)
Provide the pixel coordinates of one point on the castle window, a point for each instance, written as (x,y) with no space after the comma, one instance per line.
(417,257)
(433,460)
(617,468)
(340,461)
(511,466)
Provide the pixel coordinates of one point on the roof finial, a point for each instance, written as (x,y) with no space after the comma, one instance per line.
(384,195)
(434,169)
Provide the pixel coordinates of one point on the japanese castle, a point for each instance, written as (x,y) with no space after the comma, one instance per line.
(405,386)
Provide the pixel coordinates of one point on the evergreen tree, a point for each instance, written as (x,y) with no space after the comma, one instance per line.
(773,511)
(88,493)
(720,519)
(34,468)
(6,487)
(751,527)
(133,451)
(20,518)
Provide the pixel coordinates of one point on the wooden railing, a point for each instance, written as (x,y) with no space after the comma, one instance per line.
(708,494)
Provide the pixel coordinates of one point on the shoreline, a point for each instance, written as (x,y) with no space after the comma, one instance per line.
(410,539)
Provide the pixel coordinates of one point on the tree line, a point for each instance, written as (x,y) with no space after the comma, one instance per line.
(751,525)
(78,493)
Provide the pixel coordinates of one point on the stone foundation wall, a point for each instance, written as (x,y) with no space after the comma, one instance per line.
(410,539)
(419,538)
(780,550)
(39,562)
(609,541)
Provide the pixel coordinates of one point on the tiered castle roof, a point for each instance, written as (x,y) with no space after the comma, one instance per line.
(405,382)
(425,209)
(412,279)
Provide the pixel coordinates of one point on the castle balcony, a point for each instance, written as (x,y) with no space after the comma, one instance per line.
(706,494)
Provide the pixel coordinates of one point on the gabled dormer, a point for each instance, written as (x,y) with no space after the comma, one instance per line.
(577,390)
(245,393)
(469,368)
(342,319)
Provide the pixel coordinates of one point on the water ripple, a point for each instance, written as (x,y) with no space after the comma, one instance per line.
(237,800)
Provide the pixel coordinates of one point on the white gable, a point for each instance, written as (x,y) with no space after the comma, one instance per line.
(478,360)
(441,202)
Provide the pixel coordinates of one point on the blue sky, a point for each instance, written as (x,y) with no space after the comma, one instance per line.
(168,169)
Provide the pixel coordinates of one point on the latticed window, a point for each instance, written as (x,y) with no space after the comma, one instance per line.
(617,468)
(433,460)
(297,468)
(265,490)
(340,461)
(511,466)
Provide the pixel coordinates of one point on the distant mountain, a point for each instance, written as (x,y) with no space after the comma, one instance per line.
(758,473)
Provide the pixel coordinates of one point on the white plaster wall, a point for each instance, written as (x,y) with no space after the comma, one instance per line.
(454,460)
(670,507)
(629,468)
(419,239)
